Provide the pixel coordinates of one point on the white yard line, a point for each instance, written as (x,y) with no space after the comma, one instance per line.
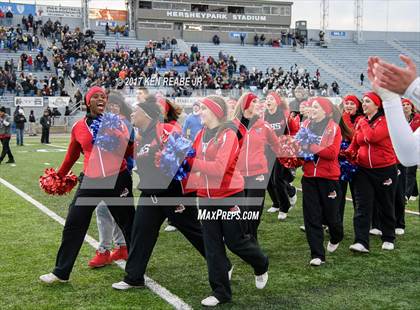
(165,294)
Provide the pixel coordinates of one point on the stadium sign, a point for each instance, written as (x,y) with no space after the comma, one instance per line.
(57,102)
(29,101)
(17,8)
(58,11)
(215,16)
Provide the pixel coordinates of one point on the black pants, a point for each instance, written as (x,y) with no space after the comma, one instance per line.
(400,201)
(374,187)
(321,202)
(343,186)
(279,187)
(255,188)
(217,233)
(6,149)
(147,222)
(79,217)
(45,137)
(411,182)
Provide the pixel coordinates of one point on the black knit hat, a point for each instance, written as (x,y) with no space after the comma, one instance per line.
(150,107)
(3,109)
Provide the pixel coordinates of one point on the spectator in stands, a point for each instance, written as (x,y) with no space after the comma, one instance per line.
(32,124)
(1,18)
(9,18)
(20,121)
(294,44)
(242,37)
(67,111)
(45,122)
(335,88)
(107,29)
(216,39)
(256,39)
(362,78)
(192,124)
(262,39)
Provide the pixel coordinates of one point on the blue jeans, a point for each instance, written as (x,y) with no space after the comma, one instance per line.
(19,136)
(108,229)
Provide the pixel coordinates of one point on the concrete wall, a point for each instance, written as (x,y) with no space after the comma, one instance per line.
(368,35)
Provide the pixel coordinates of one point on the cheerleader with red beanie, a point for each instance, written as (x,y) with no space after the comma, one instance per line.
(376,178)
(352,112)
(252,162)
(104,177)
(413,118)
(282,194)
(221,190)
(320,181)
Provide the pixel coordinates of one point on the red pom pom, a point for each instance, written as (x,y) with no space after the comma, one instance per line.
(53,184)
(291,162)
(289,150)
(350,155)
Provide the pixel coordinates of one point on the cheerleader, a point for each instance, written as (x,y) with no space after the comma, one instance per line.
(413,118)
(105,178)
(352,112)
(376,178)
(221,191)
(256,134)
(282,122)
(320,181)
(155,203)
(108,230)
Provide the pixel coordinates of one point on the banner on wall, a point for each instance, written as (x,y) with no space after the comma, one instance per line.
(58,102)
(105,14)
(58,11)
(186,101)
(29,101)
(18,8)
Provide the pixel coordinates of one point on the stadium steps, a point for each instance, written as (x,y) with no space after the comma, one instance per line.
(409,48)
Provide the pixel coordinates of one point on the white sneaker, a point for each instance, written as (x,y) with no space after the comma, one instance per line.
(273,210)
(293,200)
(210,301)
(412,198)
(261,281)
(332,247)
(375,232)
(399,231)
(316,262)
(302,228)
(282,216)
(122,286)
(358,247)
(170,228)
(51,278)
(387,246)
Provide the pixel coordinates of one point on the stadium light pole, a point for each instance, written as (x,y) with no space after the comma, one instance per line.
(358,20)
(325,15)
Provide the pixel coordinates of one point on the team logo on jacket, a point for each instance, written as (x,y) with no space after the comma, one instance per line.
(125,192)
(180,208)
(260,178)
(332,195)
(144,150)
(388,182)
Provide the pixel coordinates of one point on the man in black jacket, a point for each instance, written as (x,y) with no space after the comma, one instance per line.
(45,122)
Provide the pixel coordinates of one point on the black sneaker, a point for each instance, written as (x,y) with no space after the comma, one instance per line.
(10,161)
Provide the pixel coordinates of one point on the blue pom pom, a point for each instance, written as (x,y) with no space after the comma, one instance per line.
(347,170)
(102,139)
(173,161)
(306,137)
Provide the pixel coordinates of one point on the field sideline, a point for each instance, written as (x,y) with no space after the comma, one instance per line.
(30,241)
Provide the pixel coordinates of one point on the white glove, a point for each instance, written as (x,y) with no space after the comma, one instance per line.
(6,123)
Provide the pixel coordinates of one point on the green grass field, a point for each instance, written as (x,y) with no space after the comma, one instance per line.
(30,239)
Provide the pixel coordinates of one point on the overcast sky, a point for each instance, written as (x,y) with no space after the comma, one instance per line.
(392,15)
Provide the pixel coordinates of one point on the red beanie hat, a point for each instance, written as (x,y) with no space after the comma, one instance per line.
(325,104)
(353,99)
(93,90)
(214,107)
(276,97)
(246,102)
(374,97)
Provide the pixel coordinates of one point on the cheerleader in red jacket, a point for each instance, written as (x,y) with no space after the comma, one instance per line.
(413,118)
(221,191)
(282,122)
(105,178)
(256,134)
(376,179)
(352,112)
(320,181)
